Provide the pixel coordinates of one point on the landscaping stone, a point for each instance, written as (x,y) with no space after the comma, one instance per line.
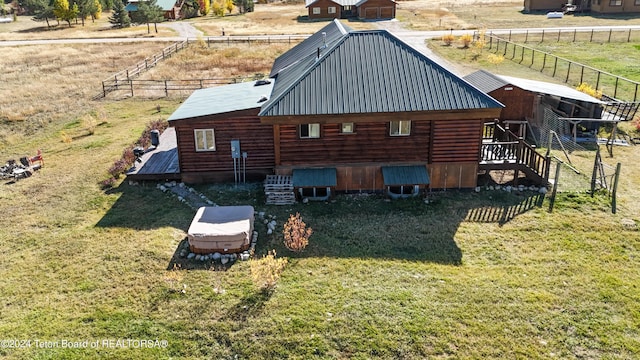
(216,256)
(224,260)
(244,256)
(191,256)
(477,189)
(543,190)
(198,257)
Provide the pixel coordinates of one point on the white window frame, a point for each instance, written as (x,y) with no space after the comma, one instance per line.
(312,130)
(208,137)
(331,9)
(615,3)
(316,10)
(347,128)
(400,128)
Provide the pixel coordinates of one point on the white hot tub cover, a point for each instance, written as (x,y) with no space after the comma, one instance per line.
(221,228)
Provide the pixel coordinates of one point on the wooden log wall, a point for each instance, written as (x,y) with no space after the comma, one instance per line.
(456,141)
(369,143)
(255,138)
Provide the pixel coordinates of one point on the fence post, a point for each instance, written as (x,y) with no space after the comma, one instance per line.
(574,35)
(629,36)
(559,31)
(555,186)
(131,86)
(614,191)
(542,40)
(104,90)
(166,89)
(568,72)
(610,30)
(526,36)
(544,62)
(591,38)
(595,171)
(581,73)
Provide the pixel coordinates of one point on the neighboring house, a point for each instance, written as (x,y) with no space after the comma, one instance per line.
(171,8)
(342,9)
(594,6)
(360,106)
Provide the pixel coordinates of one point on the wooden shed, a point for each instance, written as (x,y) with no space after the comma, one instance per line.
(214,124)
(376,9)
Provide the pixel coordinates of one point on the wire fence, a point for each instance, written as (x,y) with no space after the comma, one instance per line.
(571,72)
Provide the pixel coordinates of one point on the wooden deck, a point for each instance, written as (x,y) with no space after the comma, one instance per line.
(160,163)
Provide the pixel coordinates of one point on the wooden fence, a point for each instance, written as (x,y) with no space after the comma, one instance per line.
(155,87)
(124,80)
(574,35)
(571,72)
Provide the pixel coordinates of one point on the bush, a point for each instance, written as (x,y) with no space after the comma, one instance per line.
(466,40)
(587,89)
(265,272)
(296,234)
(448,39)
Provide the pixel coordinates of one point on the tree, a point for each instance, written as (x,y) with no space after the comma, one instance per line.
(41,10)
(205,7)
(244,6)
(63,11)
(120,17)
(149,12)
(97,10)
(228,4)
(86,8)
(296,233)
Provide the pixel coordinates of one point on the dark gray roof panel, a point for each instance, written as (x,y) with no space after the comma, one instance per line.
(485,81)
(370,72)
(334,31)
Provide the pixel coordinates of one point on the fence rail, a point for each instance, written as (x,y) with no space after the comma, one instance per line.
(575,35)
(134,86)
(571,72)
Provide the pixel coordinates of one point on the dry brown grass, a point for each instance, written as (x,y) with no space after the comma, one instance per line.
(269,19)
(27,29)
(45,84)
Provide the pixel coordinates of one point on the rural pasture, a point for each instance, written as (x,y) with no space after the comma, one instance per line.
(465,275)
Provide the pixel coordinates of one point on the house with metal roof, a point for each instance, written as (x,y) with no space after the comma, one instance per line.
(343,9)
(366,101)
(582,6)
(171,8)
(343,111)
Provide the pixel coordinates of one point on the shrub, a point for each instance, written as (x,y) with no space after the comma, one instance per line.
(296,233)
(108,183)
(265,272)
(495,59)
(448,39)
(466,40)
(587,89)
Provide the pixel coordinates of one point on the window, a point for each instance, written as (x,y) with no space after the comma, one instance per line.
(332,9)
(347,8)
(400,128)
(309,131)
(615,2)
(346,128)
(205,140)
(316,10)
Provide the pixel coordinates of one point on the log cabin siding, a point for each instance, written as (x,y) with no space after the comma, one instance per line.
(518,103)
(370,143)
(256,140)
(456,141)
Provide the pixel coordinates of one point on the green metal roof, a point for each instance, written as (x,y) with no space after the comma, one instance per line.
(405,175)
(166,5)
(370,72)
(328,35)
(314,177)
(223,99)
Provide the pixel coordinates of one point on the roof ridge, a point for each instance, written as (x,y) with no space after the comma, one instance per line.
(305,73)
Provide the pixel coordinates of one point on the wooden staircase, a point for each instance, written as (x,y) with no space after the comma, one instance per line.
(503,150)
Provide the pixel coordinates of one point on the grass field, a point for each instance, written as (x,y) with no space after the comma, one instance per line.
(468,275)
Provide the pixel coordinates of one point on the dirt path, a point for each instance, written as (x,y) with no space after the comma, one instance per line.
(185,29)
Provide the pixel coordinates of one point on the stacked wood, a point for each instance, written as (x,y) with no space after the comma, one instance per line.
(279,190)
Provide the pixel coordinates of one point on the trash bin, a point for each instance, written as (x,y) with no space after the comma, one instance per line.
(155,138)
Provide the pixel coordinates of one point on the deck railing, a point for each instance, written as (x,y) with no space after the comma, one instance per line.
(501,145)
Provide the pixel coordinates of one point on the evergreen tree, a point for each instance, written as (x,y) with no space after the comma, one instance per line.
(149,12)
(120,17)
(244,6)
(41,10)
